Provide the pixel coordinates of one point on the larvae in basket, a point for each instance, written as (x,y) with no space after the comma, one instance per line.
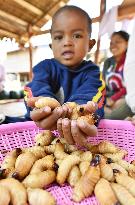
(59,152)
(116,156)
(67,147)
(131,174)
(16,189)
(106,170)
(65,167)
(104,193)
(117,168)
(123,195)
(8,163)
(126,165)
(86,156)
(38,151)
(50,149)
(23,165)
(85,186)
(127,182)
(77,152)
(47,101)
(40,197)
(44,138)
(90,118)
(84,166)
(133,162)
(4,195)
(74,176)
(40,180)
(43,164)
(104,147)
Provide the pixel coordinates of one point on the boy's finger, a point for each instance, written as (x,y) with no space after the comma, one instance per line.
(31,101)
(52,128)
(78,136)
(65,111)
(38,114)
(59,127)
(91,106)
(66,128)
(49,121)
(89,130)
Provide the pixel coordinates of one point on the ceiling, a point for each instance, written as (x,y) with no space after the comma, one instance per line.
(21,19)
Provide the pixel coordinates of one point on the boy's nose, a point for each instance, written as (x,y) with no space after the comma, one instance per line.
(68,41)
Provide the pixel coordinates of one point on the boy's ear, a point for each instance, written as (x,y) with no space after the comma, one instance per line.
(50,45)
(91,43)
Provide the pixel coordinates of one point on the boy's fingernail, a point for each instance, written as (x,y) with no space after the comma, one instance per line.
(65,122)
(59,110)
(47,109)
(73,123)
(82,123)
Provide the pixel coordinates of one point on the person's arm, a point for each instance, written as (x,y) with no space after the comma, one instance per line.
(91,89)
(41,83)
(129,72)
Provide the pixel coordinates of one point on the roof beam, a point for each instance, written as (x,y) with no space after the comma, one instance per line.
(17,20)
(8,34)
(29,7)
(13,18)
(48,15)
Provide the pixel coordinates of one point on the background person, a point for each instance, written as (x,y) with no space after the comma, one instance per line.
(116,107)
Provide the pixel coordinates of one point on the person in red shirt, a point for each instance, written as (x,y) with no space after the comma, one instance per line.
(116,107)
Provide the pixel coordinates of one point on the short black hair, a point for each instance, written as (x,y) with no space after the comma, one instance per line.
(122,34)
(77,9)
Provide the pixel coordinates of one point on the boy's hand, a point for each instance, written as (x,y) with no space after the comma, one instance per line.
(45,117)
(75,131)
(31,101)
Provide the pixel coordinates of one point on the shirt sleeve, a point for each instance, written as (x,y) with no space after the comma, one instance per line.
(92,88)
(41,83)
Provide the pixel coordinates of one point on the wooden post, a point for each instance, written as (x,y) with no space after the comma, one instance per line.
(102,10)
(30,52)
(30,60)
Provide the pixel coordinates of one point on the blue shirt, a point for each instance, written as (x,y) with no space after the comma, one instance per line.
(80,85)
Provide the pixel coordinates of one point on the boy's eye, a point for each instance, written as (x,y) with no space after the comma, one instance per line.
(77,36)
(58,37)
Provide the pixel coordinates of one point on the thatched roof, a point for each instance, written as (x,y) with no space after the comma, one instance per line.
(21,18)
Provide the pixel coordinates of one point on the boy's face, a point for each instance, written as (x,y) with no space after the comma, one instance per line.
(70,38)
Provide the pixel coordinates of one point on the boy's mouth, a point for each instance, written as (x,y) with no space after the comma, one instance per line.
(68,54)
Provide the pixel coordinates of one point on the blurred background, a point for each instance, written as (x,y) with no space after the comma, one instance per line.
(25,38)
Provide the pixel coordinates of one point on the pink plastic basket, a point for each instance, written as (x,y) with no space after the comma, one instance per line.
(121,133)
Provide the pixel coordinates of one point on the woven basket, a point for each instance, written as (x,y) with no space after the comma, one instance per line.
(121,133)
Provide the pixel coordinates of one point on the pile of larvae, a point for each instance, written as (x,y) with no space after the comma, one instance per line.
(25,173)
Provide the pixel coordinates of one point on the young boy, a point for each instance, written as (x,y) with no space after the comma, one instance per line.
(67,77)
